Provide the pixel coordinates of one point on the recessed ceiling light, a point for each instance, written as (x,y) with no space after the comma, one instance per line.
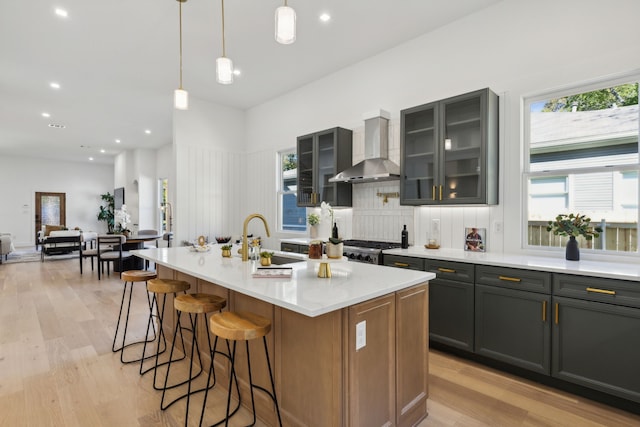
(91,158)
(61,12)
(147,131)
(325,17)
(236,72)
(103,150)
(46,115)
(57,126)
(118,141)
(54,85)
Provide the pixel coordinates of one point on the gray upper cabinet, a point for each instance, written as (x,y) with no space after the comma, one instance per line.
(321,155)
(449,151)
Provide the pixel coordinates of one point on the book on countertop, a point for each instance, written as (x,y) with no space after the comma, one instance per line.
(273,272)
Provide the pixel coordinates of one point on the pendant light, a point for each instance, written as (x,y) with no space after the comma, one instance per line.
(224,65)
(181,96)
(285,24)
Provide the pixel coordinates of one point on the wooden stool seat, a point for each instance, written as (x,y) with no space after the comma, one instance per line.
(138,275)
(199,303)
(239,325)
(167,286)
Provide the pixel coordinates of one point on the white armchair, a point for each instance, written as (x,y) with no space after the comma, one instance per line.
(6,245)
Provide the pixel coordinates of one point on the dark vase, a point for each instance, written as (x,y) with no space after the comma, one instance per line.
(573,252)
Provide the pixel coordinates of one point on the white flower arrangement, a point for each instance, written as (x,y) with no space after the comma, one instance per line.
(122,218)
(326,211)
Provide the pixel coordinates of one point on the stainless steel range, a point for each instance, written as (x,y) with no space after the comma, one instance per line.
(366,250)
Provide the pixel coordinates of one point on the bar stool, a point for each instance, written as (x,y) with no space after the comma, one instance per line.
(131,277)
(242,326)
(194,304)
(163,287)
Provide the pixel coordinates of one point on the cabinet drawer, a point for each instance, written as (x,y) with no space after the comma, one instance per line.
(526,280)
(457,271)
(288,247)
(404,262)
(611,291)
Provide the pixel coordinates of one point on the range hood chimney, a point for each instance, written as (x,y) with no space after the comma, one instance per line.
(376,165)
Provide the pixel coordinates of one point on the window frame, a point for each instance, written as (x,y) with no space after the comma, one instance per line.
(281,192)
(527,175)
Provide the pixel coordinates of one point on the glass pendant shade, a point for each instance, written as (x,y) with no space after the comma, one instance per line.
(224,70)
(181,99)
(285,25)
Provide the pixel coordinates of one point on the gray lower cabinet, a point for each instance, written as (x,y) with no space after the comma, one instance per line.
(451,312)
(512,323)
(596,340)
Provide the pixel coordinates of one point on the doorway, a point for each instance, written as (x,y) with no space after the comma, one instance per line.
(51,209)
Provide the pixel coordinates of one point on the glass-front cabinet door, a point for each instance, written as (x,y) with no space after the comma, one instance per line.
(305,170)
(462,150)
(449,151)
(326,166)
(418,169)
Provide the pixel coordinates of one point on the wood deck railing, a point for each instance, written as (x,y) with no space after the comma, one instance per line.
(621,237)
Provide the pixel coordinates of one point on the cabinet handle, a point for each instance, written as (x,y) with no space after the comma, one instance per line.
(441,192)
(401,264)
(433,192)
(287,250)
(510,279)
(306,251)
(314,198)
(601,291)
(557,313)
(544,310)
(446,270)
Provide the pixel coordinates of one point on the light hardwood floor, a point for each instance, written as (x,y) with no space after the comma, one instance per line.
(57,368)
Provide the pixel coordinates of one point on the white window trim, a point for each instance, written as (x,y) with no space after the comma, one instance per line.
(566,90)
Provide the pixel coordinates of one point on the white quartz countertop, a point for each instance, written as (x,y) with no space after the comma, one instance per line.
(304,292)
(555,264)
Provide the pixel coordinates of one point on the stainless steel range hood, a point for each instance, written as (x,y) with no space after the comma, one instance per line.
(376,166)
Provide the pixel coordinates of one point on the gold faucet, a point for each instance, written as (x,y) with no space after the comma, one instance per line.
(245,243)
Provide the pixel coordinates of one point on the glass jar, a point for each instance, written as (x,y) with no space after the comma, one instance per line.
(315,249)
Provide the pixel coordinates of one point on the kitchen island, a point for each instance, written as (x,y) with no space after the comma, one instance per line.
(350,350)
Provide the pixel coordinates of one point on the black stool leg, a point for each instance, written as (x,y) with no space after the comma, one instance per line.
(273,387)
(212,371)
(126,324)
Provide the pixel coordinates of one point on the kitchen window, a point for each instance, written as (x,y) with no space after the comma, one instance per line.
(290,216)
(582,157)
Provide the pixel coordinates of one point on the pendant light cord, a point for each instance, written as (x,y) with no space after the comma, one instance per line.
(180,44)
(224,51)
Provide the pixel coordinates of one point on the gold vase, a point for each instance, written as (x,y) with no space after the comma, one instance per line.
(265,262)
(226,253)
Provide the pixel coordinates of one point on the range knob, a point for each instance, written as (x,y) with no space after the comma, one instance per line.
(352,256)
(367,258)
(359,257)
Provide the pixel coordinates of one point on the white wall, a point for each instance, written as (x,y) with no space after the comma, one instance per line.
(211,166)
(22,177)
(516,48)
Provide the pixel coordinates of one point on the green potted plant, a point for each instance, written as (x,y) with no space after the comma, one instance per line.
(226,250)
(265,258)
(106,212)
(573,225)
(313,219)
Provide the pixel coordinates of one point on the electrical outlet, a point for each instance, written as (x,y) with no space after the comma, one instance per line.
(361,334)
(497,227)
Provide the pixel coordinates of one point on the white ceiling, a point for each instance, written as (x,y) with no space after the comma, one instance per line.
(117,62)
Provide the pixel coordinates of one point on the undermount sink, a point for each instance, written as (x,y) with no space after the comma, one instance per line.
(280,259)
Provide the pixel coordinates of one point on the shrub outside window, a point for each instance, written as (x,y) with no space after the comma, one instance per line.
(291,217)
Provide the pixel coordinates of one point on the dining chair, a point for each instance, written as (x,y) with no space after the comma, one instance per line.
(92,253)
(116,254)
(149,245)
